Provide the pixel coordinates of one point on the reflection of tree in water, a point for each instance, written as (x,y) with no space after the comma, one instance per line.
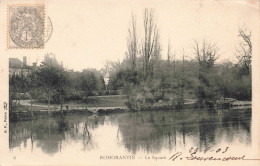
(86,136)
(81,128)
(149,131)
(146,131)
(18,134)
(208,124)
(235,121)
(53,133)
(152,131)
(49,135)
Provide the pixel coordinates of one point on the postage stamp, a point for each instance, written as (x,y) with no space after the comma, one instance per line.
(26,26)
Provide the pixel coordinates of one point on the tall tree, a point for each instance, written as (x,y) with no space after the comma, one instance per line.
(150,40)
(156,56)
(169,55)
(13,89)
(132,43)
(244,52)
(206,55)
(49,77)
(64,85)
(88,82)
(33,83)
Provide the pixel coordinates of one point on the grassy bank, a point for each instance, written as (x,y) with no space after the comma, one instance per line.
(92,105)
(22,113)
(93,101)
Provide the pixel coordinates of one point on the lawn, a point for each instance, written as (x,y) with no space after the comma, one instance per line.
(102,101)
(94,101)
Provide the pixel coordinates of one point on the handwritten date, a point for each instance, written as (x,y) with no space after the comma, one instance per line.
(208,154)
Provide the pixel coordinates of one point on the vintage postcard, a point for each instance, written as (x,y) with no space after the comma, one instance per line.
(128,82)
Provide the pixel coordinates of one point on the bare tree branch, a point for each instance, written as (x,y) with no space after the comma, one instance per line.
(244,52)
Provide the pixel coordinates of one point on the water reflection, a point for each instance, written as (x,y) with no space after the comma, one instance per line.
(149,132)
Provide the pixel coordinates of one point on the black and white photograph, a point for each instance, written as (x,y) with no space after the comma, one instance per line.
(131,83)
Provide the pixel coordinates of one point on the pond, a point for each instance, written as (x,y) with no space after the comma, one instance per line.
(132,133)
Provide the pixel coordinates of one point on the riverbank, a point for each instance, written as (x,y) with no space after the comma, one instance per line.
(99,105)
(23,113)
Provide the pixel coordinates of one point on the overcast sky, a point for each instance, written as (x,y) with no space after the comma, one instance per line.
(87,33)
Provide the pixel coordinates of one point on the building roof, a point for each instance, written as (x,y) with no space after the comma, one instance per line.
(16,63)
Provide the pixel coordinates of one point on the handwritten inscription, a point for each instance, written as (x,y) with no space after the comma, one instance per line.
(208,154)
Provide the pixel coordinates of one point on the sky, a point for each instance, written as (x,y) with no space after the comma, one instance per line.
(87,33)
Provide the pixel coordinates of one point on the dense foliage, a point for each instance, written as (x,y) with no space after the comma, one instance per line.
(147,78)
(51,83)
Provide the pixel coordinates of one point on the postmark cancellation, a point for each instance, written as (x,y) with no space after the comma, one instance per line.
(26,26)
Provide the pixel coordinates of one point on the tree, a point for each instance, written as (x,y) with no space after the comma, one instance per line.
(101,83)
(13,89)
(150,44)
(244,52)
(206,56)
(33,83)
(132,43)
(156,57)
(64,84)
(88,82)
(49,77)
(123,80)
(111,67)
(169,56)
